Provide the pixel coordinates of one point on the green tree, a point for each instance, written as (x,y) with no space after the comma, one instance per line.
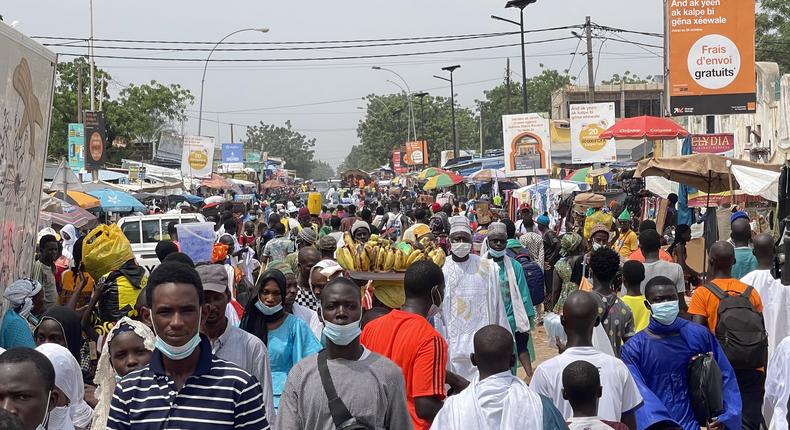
(283,142)
(321,171)
(142,112)
(499,101)
(627,78)
(64,103)
(773,33)
(384,129)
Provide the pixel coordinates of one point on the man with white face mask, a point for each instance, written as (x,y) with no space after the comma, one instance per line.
(472,301)
(27,382)
(658,358)
(184,386)
(370,387)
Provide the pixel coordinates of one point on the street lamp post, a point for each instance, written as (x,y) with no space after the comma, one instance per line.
(203,80)
(520,4)
(409,112)
(421,96)
(456,149)
(408,93)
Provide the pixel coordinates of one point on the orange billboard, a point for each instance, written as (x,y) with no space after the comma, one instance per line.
(416,153)
(711,57)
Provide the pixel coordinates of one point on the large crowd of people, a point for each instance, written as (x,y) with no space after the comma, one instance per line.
(274,333)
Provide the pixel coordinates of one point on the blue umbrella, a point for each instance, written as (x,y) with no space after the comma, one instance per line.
(193,199)
(117,201)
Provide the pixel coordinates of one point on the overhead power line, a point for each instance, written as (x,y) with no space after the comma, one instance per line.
(311,42)
(348,57)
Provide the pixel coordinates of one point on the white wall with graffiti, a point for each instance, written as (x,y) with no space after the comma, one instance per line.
(27,74)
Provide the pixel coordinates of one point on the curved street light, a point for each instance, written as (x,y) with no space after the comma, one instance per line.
(203,80)
(408,94)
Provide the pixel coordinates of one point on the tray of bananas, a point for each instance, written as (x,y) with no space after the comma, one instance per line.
(383,256)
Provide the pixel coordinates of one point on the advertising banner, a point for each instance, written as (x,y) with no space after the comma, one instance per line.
(27,73)
(711,57)
(527,144)
(233,156)
(170,147)
(722,144)
(95,140)
(588,121)
(198,156)
(396,166)
(416,153)
(76,142)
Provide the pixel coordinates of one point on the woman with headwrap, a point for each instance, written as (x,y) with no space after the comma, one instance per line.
(567,271)
(76,283)
(71,411)
(62,325)
(287,337)
(127,348)
(69,235)
(22,300)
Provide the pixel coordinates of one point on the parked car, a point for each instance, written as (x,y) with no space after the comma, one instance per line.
(144,231)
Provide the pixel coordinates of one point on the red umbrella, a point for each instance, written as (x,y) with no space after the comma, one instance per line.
(645,127)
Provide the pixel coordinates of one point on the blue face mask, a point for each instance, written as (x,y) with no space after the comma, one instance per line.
(665,313)
(177,352)
(496,254)
(341,334)
(266,310)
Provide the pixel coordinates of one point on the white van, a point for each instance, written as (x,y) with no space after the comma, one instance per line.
(144,231)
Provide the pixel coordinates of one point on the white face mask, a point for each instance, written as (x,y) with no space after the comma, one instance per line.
(59,418)
(42,426)
(460,249)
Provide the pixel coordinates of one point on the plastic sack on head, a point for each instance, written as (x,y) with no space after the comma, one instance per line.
(105,249)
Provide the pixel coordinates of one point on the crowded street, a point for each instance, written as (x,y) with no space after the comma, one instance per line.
(435,216)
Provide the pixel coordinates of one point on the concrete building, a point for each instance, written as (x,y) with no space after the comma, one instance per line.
(633,99)
(763,136)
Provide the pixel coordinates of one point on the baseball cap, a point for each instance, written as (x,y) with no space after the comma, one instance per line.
(214,277)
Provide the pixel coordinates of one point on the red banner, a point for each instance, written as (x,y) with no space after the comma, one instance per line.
(396,166)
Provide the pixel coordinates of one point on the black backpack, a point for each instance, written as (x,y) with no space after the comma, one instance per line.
(740,329)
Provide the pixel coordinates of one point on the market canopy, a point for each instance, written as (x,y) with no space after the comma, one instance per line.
(216,182)
(78,198)
(706,172)
(488,175)
(56,211)
(556,186)
(430,172)
(355,172)
(273,184)
(645,127)
(117,201)
(442,181)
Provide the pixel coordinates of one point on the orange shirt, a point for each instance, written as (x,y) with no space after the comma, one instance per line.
(662,255)
(70,283)
(705,304)
(410,342)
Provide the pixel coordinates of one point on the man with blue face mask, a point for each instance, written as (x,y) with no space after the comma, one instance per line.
(515,294)
(370,386)
(473,299)
(658,358)
(185,386)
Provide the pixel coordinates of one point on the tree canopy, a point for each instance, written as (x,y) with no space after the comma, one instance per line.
(773,33)
(283,142)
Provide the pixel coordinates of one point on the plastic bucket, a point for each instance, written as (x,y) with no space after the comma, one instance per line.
(197,240)
(314,203)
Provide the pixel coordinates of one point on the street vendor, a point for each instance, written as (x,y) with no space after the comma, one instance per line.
(628,242)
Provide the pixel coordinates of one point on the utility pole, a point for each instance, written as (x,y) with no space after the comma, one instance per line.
(451,69)
(79,92)
(507,85)
(93,64)
(481,131)
(421,96)
(666,111)
(590,71)
(231,133)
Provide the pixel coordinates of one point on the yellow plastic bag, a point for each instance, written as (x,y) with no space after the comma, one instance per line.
(105,249)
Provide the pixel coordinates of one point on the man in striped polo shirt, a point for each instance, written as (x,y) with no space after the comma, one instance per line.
(185,386)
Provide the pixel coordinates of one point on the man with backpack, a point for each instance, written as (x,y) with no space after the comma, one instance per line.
(733,310)
(515,293)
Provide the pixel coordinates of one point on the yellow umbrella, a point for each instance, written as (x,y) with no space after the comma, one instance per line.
(430,173)
(83,200)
